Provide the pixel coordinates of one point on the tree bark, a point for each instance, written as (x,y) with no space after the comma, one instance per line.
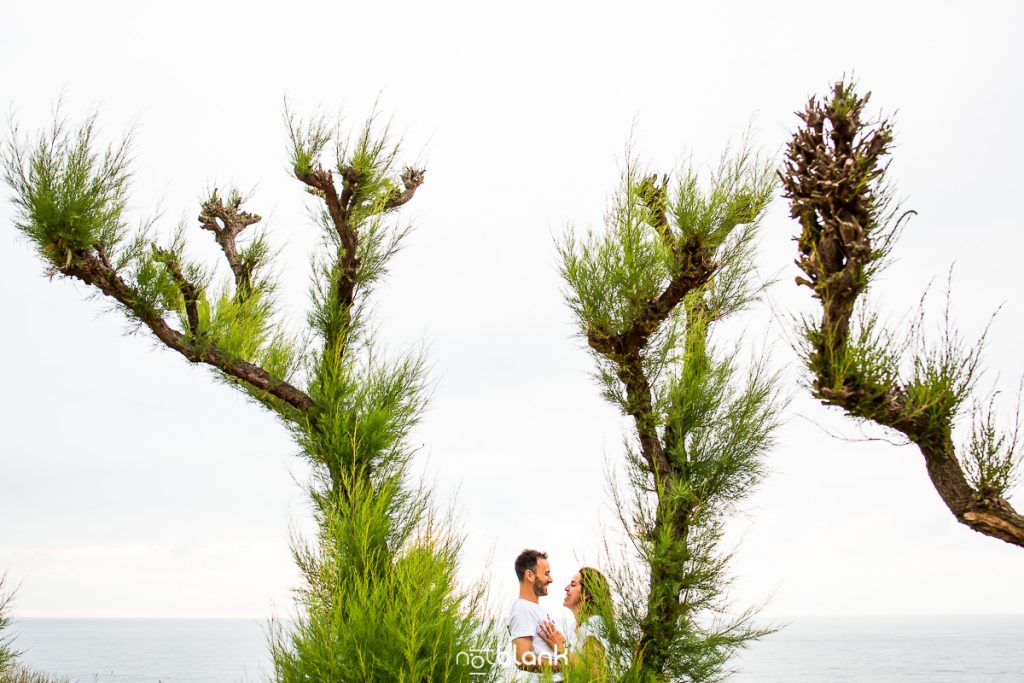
(91,270)
(831,178)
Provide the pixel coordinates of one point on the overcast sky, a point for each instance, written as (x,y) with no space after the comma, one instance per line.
(132,484)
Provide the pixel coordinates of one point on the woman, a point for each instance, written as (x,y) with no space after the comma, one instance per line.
(589,597)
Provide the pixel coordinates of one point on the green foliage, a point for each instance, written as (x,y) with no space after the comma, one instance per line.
(718,423)
(381,600)
(22,674)
(381,597)
(373,405)
(245,328)
(614,274)
(717,429)
(254,255)
(701,643)
(155,291)
(711,414)
(71,203)
(943,373)
(993,456)
(368,163)
(935,376)
(870,357)
(740,190)
(306,140)
(938,386)
(69,197)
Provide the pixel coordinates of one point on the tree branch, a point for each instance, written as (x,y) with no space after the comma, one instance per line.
(321,181)
(411,178)
(226,222)
(188,290)
(697,268)
(339,207)
(655,197)
(641,408)
(831,176)
(91,270)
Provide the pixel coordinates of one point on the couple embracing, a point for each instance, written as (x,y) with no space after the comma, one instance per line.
(539,647)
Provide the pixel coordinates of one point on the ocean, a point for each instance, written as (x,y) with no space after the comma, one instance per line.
(960,649)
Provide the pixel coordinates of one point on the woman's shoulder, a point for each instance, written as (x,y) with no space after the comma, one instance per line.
(593,626)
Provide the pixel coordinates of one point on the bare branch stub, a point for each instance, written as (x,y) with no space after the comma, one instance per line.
(226,222)
(831,177)
(412,178)
(654,193)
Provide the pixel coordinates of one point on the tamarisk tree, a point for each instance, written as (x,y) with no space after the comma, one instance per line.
(834,178)
(380,600)
(675,258)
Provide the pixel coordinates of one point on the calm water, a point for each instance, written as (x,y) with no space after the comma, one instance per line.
(853,649)
(861,650)
(146,650)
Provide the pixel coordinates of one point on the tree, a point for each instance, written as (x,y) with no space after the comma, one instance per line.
(647,292)
(380,600)
(835,179)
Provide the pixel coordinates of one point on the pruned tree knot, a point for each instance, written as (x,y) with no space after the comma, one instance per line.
(413,177)
(226,219)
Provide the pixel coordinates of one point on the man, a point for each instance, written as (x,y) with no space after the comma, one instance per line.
(532,654)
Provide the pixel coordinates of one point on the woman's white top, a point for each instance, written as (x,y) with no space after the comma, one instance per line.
(593,627)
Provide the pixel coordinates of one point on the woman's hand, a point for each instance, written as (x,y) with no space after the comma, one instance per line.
(551,635)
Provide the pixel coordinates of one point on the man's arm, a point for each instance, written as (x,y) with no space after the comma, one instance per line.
(528,660)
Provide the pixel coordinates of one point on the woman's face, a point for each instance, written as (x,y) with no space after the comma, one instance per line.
(572,592)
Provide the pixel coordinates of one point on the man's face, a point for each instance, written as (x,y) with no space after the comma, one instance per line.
(542,577)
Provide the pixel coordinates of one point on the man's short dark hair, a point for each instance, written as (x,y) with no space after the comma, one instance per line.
(528,560)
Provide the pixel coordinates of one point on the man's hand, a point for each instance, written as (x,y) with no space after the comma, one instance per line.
(552,636)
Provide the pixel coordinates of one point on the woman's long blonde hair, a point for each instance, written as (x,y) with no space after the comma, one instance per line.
(595,593)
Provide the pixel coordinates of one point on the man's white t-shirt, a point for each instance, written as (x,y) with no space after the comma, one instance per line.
(525,621)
